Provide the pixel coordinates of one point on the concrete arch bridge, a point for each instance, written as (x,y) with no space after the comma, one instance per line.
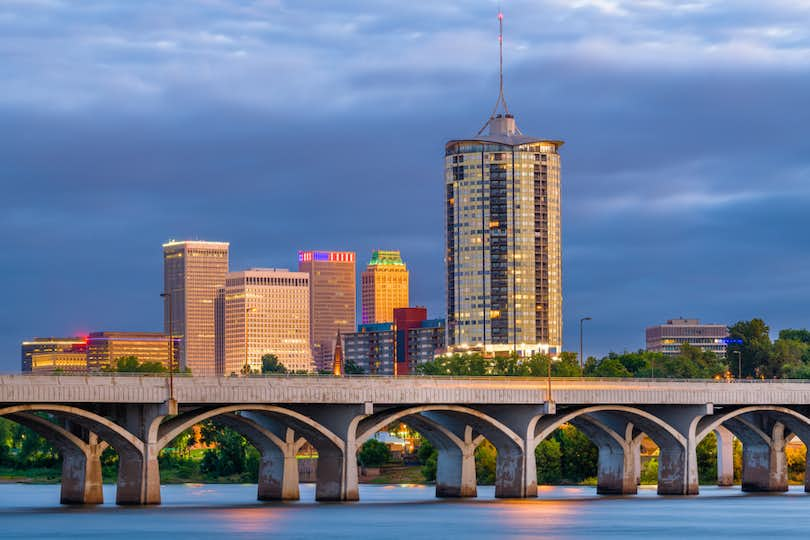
(83,415)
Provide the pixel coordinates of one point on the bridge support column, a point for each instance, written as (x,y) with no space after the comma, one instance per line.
(635,448)
(725,456)
(81,474)
(337,474)
(764,467)
(278,472)
(516,465)
(455,471)
(138,469)
(616,473)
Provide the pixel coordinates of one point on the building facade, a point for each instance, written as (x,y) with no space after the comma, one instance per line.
(503,238)
(263,311)
(668,338)
(396,348)
(333,302)
(193,272)
(504,275)
(49,345)
(104,348)
(58,362)
(384,287)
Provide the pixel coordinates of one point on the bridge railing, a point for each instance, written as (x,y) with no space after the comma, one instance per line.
(325,377)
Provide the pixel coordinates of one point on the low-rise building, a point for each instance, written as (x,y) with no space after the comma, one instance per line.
(49,344)
(46,363)
(398,347)
(668,338)
(103,348)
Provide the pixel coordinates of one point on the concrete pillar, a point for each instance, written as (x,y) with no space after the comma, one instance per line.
(635,448)
(455,471)
(725,456)
(81,452)
(278,471)
(138,468)
(615,472)
(337,472)
(671,469)
(677,444)
(516,466)
(81,474)
(330,476)
(510,473)
(613,435)
(764,467)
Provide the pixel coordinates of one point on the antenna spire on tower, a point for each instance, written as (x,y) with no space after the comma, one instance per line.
(501,101)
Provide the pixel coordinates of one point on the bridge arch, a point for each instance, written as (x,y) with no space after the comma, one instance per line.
(308,427)
(491,426)
(117,436)
(791,418)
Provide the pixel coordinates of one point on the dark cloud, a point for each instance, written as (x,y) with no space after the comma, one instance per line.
(280,126)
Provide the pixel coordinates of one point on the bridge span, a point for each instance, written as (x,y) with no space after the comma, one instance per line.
(82,415)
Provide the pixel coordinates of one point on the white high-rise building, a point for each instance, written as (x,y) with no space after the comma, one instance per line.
(503,252)
(261,311)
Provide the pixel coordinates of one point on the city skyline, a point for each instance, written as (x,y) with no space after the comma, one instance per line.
(659,223)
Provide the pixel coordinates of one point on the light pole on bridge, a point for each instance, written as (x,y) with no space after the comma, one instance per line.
(582,358)
(167,296)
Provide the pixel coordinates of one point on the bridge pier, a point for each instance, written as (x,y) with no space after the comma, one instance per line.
(455,443)
(725,456)
(337,473)
(138,468)
(81,474)
(764,467)
(277,446)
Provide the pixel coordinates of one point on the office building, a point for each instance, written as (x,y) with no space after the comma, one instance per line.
(333,303)
(264,311)
(503,251)
(50,345)
(384,287)
(193,271)
(105,348)
(49,363)
(668,338)
(396,348)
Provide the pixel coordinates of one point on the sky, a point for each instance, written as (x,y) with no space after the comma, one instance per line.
(280,126)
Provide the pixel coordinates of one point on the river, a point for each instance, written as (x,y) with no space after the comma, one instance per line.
(407,512)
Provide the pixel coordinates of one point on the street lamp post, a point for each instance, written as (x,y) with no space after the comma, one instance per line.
(167,296)
(582,358)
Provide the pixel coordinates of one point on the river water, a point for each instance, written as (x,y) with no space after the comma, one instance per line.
(190,512)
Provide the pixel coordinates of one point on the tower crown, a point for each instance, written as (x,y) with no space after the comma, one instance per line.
(500,123)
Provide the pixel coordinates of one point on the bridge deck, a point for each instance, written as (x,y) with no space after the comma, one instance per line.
(389,390)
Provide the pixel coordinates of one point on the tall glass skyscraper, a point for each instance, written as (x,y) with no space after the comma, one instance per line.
(193,272)
(504,289)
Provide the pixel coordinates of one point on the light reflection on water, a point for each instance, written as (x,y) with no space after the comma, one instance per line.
(408,512)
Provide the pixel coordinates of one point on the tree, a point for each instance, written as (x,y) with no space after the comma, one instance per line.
(611,367)
(579,455)
(485,459)
(373,453)
(548,455)
(707,459)
(428,456)
(271,364)
(754,349)
(350,368)
(131,364)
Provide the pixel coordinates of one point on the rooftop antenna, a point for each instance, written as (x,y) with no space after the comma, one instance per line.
(501,98)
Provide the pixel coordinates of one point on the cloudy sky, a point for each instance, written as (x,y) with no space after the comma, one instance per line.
(283,125)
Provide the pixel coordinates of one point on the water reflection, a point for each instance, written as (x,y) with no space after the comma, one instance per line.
(409,512)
